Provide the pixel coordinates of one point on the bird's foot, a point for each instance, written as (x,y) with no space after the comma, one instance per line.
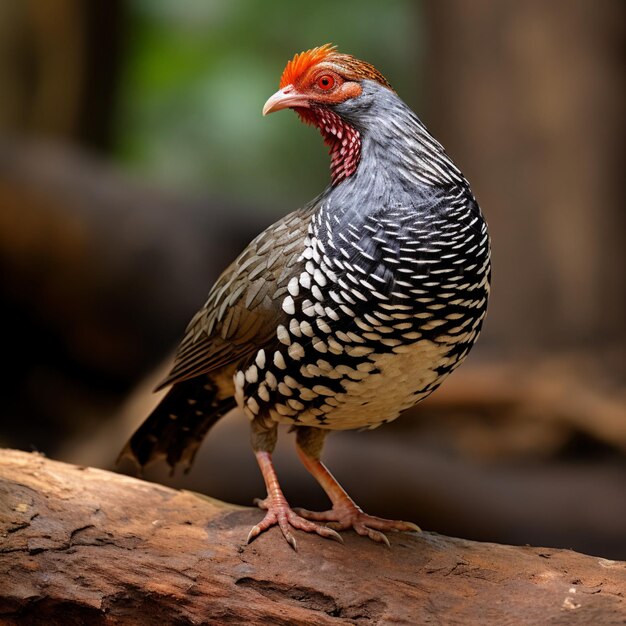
(351,516)
(281,514)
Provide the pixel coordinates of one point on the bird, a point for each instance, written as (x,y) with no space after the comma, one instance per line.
(345,312)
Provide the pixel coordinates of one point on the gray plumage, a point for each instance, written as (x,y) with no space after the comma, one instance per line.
(343,313)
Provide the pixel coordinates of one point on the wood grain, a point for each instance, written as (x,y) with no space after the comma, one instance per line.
(81,545)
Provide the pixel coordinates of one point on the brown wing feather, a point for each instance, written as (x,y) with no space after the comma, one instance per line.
(244,306)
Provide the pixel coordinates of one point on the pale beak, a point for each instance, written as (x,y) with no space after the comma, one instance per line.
(285,98)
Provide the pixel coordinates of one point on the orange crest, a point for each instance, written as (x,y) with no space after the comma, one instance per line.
(302,62)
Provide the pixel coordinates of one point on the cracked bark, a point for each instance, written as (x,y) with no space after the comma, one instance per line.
(80,545)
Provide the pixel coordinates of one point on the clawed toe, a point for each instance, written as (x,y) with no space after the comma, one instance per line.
(285,518)
(362,523)
(317,516)
(374,535)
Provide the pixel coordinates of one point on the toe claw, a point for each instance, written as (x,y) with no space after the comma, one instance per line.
(291,540)
(255,531)
(378,537)
(332,534)
(283,524)
(383,539)
(371,533)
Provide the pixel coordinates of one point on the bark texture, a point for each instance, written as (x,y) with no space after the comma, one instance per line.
(81,545)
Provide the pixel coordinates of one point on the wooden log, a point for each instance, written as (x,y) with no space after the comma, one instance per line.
(86,546)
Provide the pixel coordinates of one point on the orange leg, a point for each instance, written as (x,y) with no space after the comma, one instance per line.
(345,513)
(278,510)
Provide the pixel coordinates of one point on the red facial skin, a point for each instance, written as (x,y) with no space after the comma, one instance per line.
(321,77)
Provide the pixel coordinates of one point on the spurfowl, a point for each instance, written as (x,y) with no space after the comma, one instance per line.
(344,313)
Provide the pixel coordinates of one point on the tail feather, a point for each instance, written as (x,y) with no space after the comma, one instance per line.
(178,425)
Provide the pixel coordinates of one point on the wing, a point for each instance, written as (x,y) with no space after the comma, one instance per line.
(244,306)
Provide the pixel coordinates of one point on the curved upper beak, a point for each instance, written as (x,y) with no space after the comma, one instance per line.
(285,98)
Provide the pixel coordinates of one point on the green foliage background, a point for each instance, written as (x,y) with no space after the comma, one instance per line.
(199,71)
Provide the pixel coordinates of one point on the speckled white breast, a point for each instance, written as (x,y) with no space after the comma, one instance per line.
(379,397)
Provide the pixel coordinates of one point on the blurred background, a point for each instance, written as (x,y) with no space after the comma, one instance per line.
(135,164)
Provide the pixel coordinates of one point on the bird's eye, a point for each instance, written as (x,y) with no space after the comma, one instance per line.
(325,82)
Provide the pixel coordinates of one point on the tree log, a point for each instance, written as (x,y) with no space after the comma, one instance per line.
(81,545)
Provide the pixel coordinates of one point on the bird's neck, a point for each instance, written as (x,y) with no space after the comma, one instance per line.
(343,139)
(395,147)
(382,139)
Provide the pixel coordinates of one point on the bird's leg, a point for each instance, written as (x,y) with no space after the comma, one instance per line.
(278,510)
(344,513)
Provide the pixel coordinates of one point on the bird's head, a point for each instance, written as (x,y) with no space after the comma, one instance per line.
(320,85)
